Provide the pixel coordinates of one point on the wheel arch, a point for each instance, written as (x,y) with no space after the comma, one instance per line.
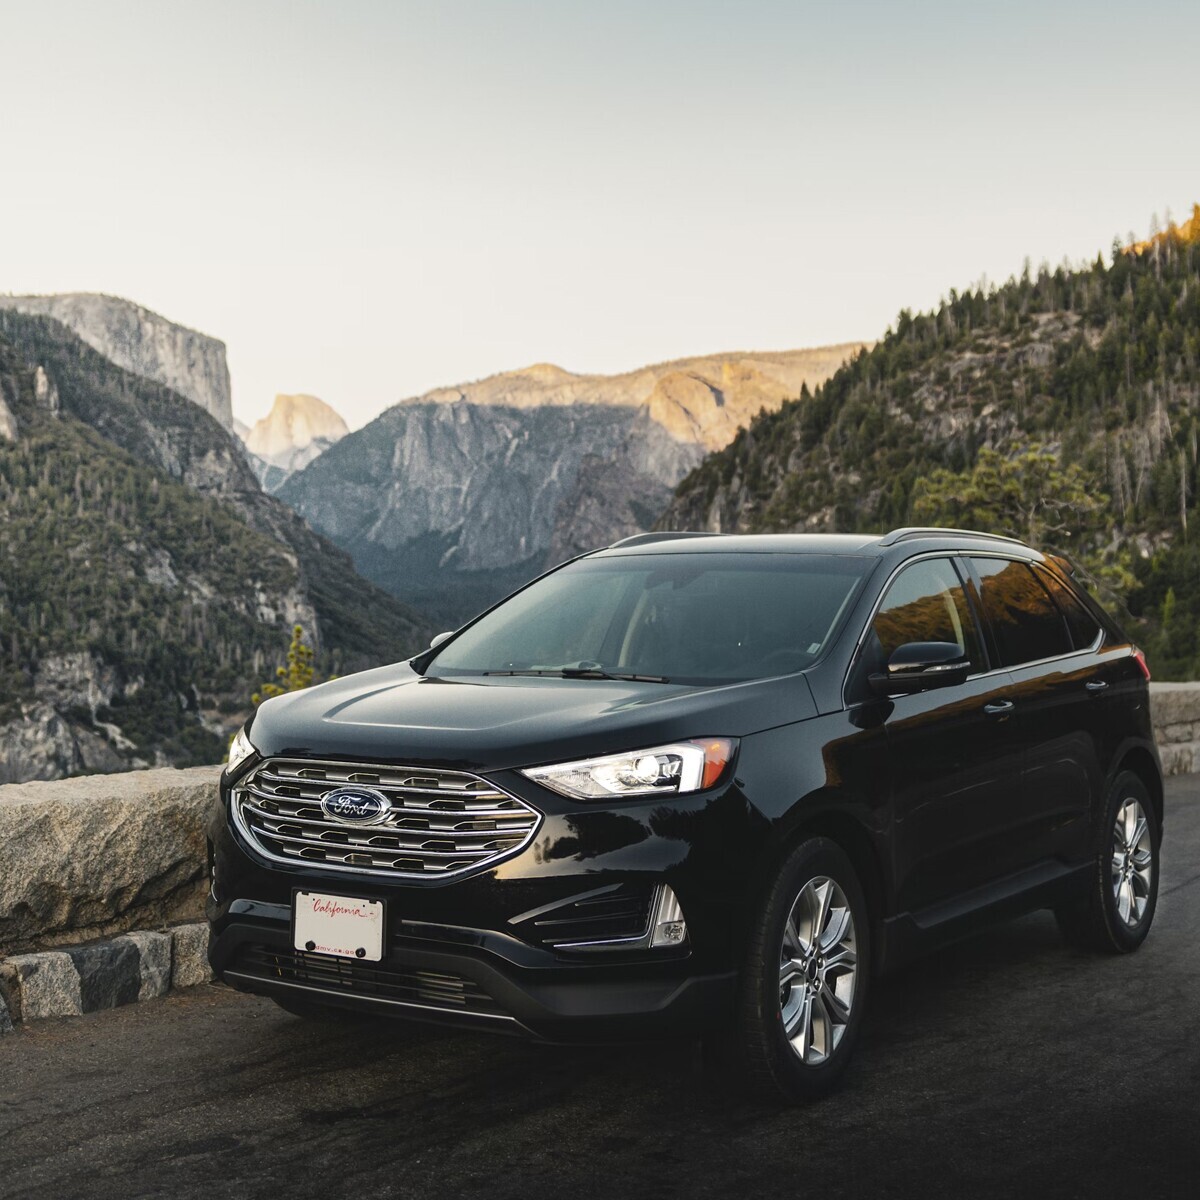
(1142,763)
(847,824)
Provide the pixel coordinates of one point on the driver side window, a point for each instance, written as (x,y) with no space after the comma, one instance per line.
(925,603)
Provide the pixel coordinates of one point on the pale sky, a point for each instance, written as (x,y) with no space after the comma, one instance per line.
(366,200)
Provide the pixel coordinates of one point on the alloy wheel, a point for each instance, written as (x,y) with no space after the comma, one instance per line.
(1132,862)
(818,968)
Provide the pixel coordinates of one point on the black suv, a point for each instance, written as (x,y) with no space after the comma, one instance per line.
(697,783)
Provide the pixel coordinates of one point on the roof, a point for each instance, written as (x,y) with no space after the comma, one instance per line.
(678,542)
(744,543)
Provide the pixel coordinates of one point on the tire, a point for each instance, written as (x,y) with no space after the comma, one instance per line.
(795,1032)
(1116,914)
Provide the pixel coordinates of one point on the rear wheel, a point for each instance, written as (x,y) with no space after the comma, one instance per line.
(805,982)
(1116,914)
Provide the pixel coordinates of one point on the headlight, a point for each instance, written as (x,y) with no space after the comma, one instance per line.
(670,770)
(240,749)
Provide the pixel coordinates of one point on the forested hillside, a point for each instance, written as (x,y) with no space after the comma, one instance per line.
(1062,406)
(147,586)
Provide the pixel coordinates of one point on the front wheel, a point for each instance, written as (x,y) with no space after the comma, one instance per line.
(806,977)
(1118,910)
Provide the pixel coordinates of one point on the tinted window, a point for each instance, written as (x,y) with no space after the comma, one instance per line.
(1026,621)
(1080,622)
(926,603)
(691,618)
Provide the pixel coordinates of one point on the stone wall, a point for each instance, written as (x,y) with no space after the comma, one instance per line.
(1175,710)
(100,855)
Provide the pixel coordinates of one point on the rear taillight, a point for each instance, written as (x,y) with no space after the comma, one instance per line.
(1140,659)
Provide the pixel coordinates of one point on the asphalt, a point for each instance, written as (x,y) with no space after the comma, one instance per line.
(1008,1066)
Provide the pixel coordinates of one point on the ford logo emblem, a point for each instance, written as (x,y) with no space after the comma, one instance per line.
(356,806)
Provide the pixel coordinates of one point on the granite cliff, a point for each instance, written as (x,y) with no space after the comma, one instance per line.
(189,363)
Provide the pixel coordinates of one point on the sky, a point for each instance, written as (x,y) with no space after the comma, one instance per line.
(366,200)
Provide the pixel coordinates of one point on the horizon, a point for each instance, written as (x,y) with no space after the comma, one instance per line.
(537,182)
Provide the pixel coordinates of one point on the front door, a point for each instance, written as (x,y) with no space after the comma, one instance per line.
(954,753)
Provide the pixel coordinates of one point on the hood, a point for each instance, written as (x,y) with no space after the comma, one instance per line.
(392,714)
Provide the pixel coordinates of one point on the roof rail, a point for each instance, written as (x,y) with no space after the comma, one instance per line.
(666,535)
(908,532)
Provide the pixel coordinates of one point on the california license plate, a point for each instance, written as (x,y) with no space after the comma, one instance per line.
(338,925)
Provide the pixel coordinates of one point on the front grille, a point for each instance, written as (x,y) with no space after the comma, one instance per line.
(405,985)
(439,822)
(614,914)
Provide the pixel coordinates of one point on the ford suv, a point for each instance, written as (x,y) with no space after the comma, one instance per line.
(698,783)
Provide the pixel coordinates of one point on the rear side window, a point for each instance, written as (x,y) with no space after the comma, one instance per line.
(926,603)
(1080,622)
(1023,616)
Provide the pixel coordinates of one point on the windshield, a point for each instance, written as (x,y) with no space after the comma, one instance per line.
(683,618)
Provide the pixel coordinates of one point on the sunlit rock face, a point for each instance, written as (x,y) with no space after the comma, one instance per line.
(290,436)
(702,400)
(190,363)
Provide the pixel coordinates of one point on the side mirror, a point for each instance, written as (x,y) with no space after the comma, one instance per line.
(439,638)
(920,666)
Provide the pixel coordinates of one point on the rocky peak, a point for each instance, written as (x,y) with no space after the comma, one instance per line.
(294,425)
(141,341)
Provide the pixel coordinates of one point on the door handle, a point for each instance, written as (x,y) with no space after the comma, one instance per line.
(1096,685)
(999,708)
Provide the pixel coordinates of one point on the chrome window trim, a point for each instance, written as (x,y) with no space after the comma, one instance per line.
(1037,662)
(953,554)
(254,846)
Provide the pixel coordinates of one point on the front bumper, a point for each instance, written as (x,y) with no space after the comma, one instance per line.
(472,986)
(476,950)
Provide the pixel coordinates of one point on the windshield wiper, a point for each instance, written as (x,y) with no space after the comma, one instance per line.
(598,673)
(586,673)
(555,674)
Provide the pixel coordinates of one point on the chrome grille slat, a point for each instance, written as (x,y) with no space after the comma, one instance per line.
(416,810)
(452,830)
(376,779)
(413,840)
(375,848)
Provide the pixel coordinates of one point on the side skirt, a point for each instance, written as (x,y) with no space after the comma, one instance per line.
(1046,884)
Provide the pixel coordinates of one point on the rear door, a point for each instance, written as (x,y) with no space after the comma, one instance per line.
(954,754)
(1053,690)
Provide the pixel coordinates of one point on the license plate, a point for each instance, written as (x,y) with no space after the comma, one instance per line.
(343,926)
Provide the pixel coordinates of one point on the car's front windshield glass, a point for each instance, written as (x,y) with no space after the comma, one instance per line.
(691,618)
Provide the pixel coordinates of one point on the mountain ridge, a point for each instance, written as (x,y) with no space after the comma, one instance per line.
(739,382)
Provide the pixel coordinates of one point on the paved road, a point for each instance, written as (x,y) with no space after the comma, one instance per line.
(1010,1066)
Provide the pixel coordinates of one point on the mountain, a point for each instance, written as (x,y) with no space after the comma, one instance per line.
(702,400)
(189,363)
(290,436)
(452,499)
(1062,406)
(147,585)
